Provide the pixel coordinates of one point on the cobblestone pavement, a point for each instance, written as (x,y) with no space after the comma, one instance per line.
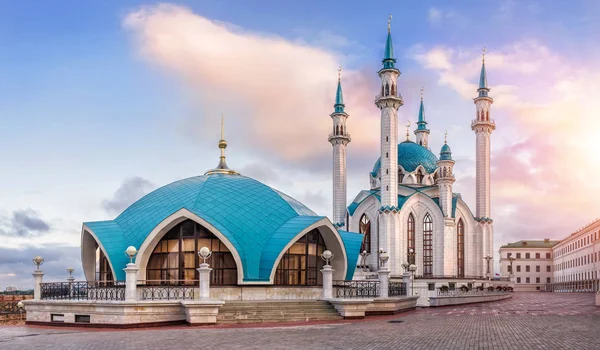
(527,321)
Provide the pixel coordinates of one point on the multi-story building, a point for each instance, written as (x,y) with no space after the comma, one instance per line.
(575,260)
(528,264)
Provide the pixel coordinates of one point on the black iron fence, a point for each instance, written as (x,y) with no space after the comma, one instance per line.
(581,286)
(94,290)
(356,289)
(457,277)
(396,289)
(170,290)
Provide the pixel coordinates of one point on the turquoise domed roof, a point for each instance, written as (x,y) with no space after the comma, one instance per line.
(410,156)
(446,152)
(258,220)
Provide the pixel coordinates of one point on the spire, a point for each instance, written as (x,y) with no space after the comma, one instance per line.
(407,127)
(339,98)
(421,123)
(222,168)
(483,85)
(388,57)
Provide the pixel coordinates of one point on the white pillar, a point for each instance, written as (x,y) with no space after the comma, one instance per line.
(204,272)
(327,272)
(384,277)
(131,282)
(70,280)
(37,280)
(407,281)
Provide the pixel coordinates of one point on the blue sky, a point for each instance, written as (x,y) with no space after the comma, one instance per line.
(92,114)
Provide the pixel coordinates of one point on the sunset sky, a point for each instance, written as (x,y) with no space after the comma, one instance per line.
(103,101)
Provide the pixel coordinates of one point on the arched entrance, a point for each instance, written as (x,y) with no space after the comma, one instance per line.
(301,264)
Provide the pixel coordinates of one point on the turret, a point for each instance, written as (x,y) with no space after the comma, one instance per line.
(445,178)
(422,133)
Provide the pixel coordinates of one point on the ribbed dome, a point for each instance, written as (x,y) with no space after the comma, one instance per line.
(446,152)
(410,156)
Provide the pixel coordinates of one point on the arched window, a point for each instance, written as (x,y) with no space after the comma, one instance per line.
(420,176)
(365,229)
(427,245)
(393,90)
(103,271)
(460,247)
(175,257)
(400,176)
(342,130)
(301,264)
(337,129)
(410,230)
(387,89)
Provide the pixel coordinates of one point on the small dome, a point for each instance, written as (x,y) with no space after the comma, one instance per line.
(446,152)
(410,156)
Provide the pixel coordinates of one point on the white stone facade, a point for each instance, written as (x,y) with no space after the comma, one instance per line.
(577,257)
(532,267)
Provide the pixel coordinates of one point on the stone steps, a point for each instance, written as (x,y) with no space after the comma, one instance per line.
(276,311)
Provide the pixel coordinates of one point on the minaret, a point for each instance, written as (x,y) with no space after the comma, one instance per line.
(388,101)
(483,127)
(445,178)
(222,168)
(422,133)
(339,138)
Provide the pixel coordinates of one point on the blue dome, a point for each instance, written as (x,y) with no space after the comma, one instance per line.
(410,156)
(446,152)
(258,220)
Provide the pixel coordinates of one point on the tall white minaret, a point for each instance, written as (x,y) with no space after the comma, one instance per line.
(388,101)
(445,178)
(483,127)
(339,138)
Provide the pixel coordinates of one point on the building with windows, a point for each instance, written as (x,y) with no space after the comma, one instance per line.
(410,205)
(528,264)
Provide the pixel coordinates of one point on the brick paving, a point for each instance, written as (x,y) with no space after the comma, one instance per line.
(527,321)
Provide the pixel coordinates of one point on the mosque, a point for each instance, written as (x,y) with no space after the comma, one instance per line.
(260,236)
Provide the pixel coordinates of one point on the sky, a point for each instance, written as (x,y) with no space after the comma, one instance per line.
(102,102)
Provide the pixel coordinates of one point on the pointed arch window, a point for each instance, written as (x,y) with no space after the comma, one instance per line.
(400,176)
(427,245)
(460,247)
(365,229)
(410,230)
(393,90)
(420,176)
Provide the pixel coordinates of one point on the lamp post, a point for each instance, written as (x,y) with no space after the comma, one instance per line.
(327,272)
(37,277)
(488,259)
(204,273)
(364,254)
(412,268)
(411,256)
(20,305)
(131,275)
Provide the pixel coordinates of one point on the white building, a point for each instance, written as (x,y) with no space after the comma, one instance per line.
(410,204)
(529,263)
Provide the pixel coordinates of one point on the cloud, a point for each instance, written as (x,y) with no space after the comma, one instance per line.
(23,223)
(435,15)
(277,92)
(131,190)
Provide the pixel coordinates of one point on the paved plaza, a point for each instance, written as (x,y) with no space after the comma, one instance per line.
(527,321)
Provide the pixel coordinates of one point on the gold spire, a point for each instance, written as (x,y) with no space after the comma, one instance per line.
(483,54)
(390,24)
(445,136)
(339,73)
(407,126)
(222,167)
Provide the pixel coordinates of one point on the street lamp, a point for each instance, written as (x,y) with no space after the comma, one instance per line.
(384,257)
(364,254)
(70,270)
(510,260)
(204,253)
(411,256)
(38,261)
(327,256)
(405,265)
(412,268)
(20,305)
(488,259)
(131,252)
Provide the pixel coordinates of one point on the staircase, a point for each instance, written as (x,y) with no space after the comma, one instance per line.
(276,311)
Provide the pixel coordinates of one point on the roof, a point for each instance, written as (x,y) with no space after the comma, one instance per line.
(339,99)
(410,156)
(531,244)
(388,56)
(421,123)
(483,85)
(445,152)
(258,220)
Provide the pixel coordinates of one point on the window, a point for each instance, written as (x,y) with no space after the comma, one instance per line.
(302,263)
(420,176)
(547,279)
(410,229)
(451,286)
(527,255)
(175,257)
(527,268)
(518,255)
(427,246)
(460,235)
(103,270)
(364,227)
(537,255)
(518,268)
(509,269)
(537,280)
(548,268)
(508,255)
(527,280)
(518,279)
(537,268)
(547,255)
(430,286)
(400,176)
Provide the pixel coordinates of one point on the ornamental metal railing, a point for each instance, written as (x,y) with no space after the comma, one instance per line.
(167,290)
(9,308)
(93,290)
(460,293)
(396,289)
(458,277)
(356,289)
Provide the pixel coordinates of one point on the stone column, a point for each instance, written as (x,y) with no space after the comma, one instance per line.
(327,272)
(204,272)
(131,282)
(71,279)
(384,276)
(37,280)
(407,281)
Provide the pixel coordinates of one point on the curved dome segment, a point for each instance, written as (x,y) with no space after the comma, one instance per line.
(246,212)
(410,156)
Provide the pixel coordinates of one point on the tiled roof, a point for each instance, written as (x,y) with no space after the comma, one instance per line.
(410,156)
(531,244)
(258,220)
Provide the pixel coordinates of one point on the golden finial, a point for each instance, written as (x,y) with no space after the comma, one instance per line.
(446,136)
(483,54)
(390,24)
(222,142)
(422,89)
(222,167)
(407,126)
(339,73)
(222,127)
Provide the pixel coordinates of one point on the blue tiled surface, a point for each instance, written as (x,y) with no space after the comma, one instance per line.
(410,156)
(454,202)
(445,152)
(352,243)
(255,218)
(401,200)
